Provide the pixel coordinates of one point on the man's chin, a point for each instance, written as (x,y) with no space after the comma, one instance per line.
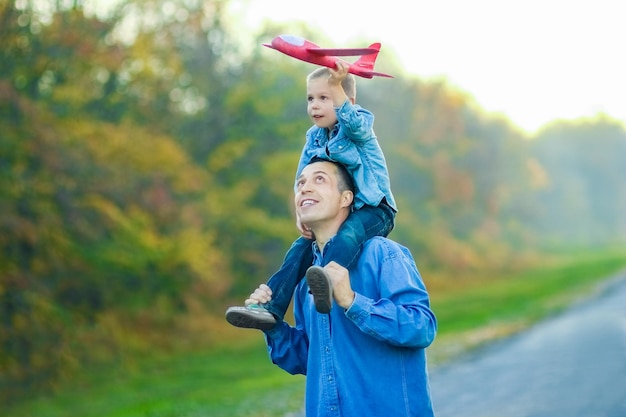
(309,222)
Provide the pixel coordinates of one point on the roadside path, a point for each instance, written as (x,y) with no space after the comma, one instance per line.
(571,365)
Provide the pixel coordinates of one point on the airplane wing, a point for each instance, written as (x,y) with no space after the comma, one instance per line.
(342,51)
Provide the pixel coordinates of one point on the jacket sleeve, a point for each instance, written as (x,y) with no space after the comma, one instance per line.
(288,347)
(356,122)
(398,310)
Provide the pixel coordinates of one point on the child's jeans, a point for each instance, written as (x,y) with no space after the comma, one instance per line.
(344,248)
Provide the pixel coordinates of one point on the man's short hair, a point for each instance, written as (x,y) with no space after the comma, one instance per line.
(348,83)
(345,181)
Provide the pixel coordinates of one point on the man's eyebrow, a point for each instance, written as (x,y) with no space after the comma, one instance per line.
(314,173)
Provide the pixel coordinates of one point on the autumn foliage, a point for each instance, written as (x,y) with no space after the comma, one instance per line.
(147,179)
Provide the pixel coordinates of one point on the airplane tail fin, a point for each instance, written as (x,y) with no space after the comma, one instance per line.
(366,62)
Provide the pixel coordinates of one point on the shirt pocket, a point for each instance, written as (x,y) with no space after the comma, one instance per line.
(342,149)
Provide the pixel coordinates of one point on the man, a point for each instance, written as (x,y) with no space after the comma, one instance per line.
(367,357)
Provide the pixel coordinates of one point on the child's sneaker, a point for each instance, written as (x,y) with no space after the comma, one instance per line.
(321,288)
(252,316)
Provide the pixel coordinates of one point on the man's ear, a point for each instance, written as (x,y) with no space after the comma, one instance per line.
(347,197)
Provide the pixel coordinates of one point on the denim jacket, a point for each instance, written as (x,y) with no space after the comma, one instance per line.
(353,143)
(369,359)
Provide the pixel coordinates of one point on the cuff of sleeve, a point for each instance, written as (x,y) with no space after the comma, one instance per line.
(360,308)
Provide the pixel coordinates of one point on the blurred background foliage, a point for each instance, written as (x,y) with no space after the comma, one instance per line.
(147,164)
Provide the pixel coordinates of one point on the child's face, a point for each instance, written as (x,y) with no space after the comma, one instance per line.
(320,103)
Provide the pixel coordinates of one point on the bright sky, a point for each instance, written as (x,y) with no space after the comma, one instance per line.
(533,60)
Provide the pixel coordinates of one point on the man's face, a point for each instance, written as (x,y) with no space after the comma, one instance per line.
(320,103)
(317,197)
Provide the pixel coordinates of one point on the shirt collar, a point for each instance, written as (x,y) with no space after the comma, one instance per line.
(317,253)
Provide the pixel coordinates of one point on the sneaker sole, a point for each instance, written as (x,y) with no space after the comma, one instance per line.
(249,319)
(320,287)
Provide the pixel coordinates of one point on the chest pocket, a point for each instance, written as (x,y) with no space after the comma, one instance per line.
(343,150)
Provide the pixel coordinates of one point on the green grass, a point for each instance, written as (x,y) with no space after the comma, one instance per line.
(477,312)
(240,380)
(527,296)
(233,382)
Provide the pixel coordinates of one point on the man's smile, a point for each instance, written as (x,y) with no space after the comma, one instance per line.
(307,202)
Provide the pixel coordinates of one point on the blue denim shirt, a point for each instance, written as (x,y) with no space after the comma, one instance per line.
(353,143)
(369,359)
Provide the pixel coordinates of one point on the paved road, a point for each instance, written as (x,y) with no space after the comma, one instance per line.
(573,365)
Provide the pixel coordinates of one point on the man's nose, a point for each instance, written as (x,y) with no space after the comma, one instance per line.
(305,187)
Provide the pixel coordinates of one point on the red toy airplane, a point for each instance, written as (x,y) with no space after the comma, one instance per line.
(304,50)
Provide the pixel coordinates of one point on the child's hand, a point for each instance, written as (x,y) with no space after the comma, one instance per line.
(336,78)
(338,74)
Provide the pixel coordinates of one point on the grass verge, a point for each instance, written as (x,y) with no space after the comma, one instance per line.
(234,381)
(477,312)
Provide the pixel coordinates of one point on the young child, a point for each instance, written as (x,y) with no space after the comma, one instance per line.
(342,132)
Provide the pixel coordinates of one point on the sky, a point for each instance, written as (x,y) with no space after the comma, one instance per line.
(534,61)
